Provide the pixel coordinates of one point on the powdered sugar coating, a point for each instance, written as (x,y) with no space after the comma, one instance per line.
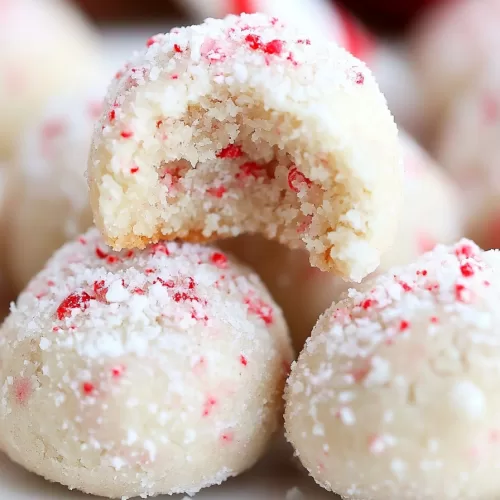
(395,394)
(431,214)
(46,48)
(242,125)
(141,372)
(47,183)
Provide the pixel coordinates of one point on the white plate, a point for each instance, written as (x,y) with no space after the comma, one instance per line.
(271,479)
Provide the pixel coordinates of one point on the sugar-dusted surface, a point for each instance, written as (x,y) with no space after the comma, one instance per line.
(241,125)
(273,478)
(431,214)
(395,395)
(47,190)
(141,372)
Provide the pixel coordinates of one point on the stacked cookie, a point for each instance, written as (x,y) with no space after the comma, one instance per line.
(144,359)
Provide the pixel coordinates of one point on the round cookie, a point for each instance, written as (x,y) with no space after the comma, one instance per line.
(395,394)
(141,372)
(242,126)
(46,48)
(431,214)
(468,147)
(450,48)
(47,184)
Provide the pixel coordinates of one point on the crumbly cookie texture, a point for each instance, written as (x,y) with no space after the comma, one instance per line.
(242,126)
(47,188)
(141,372)
(431,214)
(395,395)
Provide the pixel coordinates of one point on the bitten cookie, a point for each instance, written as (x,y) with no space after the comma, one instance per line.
(141,372)
(242,126)
(395,395)
(432,213)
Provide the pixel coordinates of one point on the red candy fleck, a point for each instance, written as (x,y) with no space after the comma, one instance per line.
(112,115)
(273,47)
(366,304)
(22,390)
(88,388)
(243,360)
(297,179)
(465,251)
(253,41)
(305,41)
(126,134)
(261,309)
(219,259)
(404,325)
(227,437)
(73,301)
(117,371)
(151,41)
(134,170)
(217,192)
(82,240)
(177,48)
(434,319)
(231,151)
(405,286)
(251,169)
(359,78)
(159,123)
(100,290)
(159,248)
(112,259)
(208,406)
(100,253)
(462,294)
(466,270)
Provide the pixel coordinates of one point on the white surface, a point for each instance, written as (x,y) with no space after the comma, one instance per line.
(271,479)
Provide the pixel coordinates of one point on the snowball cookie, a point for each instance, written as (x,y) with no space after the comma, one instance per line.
(468,146)
(395,395)
(48,184)
(431,214)
(141,372)
(242,126)
(46,48)
(450,47)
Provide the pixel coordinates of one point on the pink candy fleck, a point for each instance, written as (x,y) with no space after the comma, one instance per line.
(208,406)
(22,390)
(260,308)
